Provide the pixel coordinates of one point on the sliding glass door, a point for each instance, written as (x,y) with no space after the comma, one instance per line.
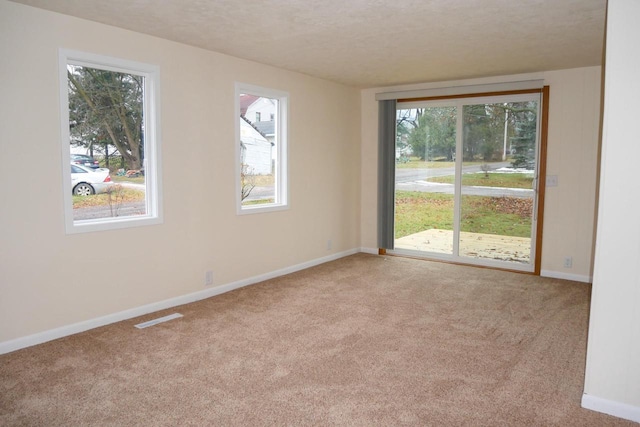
(466,178)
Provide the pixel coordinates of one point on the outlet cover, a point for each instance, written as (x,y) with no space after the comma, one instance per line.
(208,278)
(568,262)
(552,180)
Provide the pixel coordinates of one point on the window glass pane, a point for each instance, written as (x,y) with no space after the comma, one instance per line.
(466,179)
(259,150)
(107,143)
(496,208)
(425,150)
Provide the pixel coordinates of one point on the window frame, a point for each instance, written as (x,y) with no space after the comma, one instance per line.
(281,149)
(151,117)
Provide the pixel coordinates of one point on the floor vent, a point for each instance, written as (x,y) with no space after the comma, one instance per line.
(158,320)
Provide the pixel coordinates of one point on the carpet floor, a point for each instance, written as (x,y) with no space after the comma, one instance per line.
(365,340)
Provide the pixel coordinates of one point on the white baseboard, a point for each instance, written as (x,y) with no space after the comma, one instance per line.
(617,409)
(566,276)
(373,251)
(63,331)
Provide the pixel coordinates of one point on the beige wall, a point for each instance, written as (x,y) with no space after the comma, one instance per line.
(574,111)
(49,279)
(612,382)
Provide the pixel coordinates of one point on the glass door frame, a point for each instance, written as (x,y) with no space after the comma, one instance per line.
(539,95)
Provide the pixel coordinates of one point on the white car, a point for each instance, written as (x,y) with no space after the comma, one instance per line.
(86,181)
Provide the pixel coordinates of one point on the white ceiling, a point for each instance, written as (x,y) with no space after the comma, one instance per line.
(369,43)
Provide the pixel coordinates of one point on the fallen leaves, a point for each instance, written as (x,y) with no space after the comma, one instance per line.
(506,205)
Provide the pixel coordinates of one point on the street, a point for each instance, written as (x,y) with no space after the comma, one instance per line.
(407,174)
(467,190)
(415,180)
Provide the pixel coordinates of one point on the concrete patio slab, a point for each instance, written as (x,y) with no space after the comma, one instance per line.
(473,245)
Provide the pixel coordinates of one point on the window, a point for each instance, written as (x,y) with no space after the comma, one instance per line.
(261,149)
(110,147)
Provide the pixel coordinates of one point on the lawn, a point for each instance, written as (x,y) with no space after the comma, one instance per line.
(123,195)
(492,179)
(419,211)
(135,180)
(257,202)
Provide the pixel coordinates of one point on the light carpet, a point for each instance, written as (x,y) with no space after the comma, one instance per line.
(365,340)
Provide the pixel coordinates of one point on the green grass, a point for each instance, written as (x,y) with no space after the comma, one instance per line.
(502,216)
(127,195)
(135,180)
(419,211)
(508,180)
(257,202)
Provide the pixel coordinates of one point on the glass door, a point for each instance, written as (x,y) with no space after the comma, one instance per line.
(425,152)
(466,178)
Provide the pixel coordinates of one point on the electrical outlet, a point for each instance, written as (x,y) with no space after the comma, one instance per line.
(329,244)
(552,180)
(208,278)
(568,262)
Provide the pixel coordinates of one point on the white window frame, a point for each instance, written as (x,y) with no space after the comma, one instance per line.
(281,169)
(151,108)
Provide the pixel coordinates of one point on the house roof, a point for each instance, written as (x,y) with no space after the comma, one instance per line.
(245,101)
(253,125)
(371,43)
(266,127)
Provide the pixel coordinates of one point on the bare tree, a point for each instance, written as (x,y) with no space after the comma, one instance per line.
(247,181)
(106,108)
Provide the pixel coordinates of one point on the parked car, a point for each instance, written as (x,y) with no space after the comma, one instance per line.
(86,181)
(84,160)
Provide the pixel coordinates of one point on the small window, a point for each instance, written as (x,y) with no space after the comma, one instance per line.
(261,149)
(110,146)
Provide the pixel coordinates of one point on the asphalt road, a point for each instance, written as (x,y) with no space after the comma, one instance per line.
(259,193)
(406,179)
(435,187)
(95,212)
(404,175)
(415,180)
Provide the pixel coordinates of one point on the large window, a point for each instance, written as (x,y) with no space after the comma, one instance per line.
(110,149)
(261,150)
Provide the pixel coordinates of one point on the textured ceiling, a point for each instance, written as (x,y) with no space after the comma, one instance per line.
(368,43)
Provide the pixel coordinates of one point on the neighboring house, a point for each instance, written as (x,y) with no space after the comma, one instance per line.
(268,129)
(257,133)
(262,112)
(245,102)
(256,149)
(403,149)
